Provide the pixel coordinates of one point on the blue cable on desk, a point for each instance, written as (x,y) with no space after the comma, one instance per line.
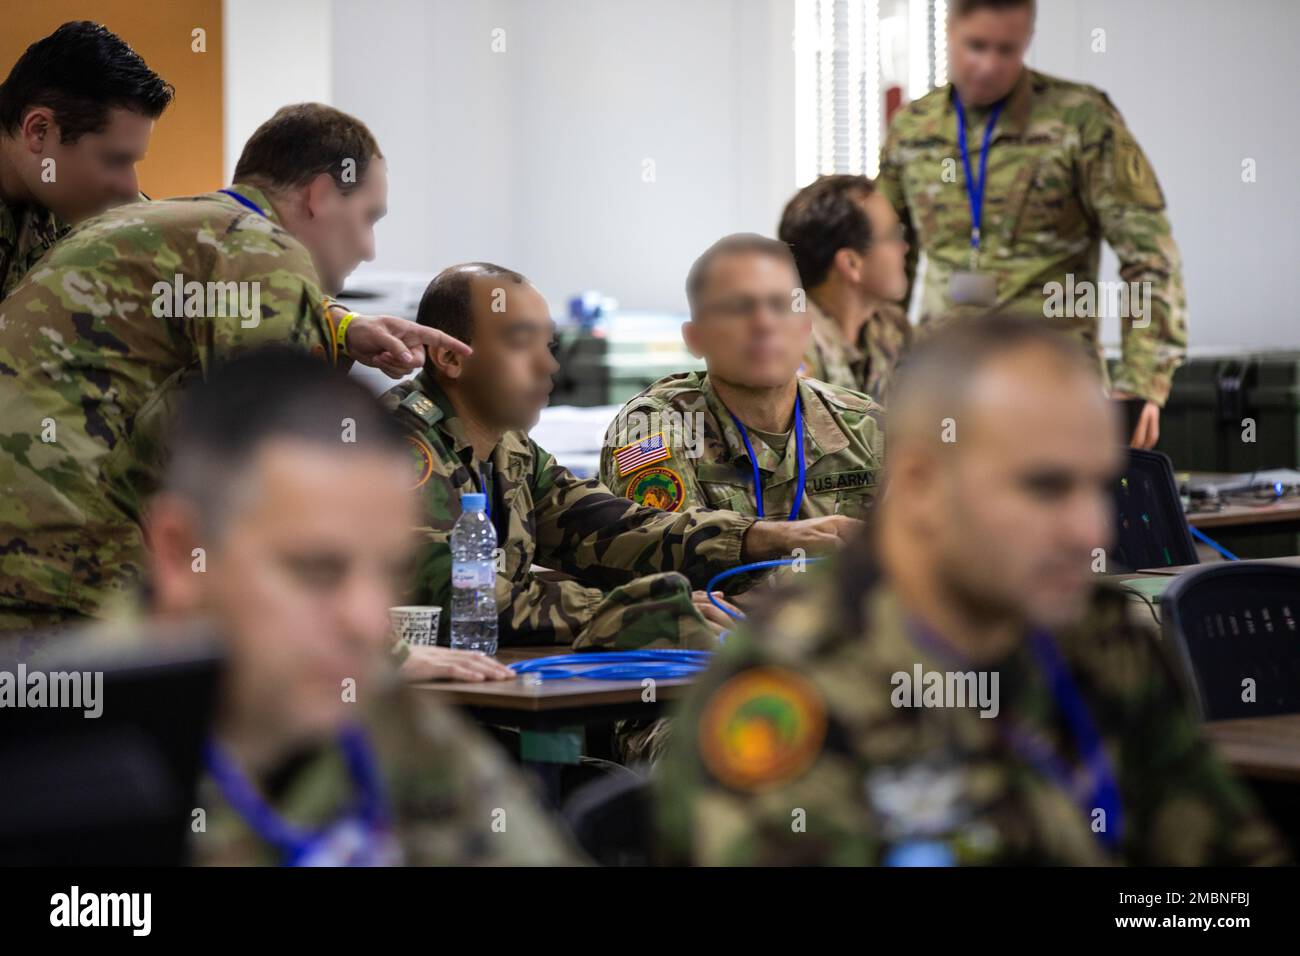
(1202,536)
(658,664)
(741,569)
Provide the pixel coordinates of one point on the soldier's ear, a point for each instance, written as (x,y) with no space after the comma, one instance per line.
(848,263)
(691,335)
(177,553)
(319,195)
(35,128)
(447,362)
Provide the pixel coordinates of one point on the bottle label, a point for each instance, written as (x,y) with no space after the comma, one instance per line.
(472,574)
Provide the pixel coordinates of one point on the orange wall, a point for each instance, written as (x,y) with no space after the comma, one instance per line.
(185,154)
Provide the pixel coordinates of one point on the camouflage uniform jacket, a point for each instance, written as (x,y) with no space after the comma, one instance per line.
(790,750)
(90,370)
(452,797)
(26,233)
(863,366)
(1064,172)
(706,462)
(545,515)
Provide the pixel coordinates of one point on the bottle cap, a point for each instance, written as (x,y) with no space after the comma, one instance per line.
(473,501)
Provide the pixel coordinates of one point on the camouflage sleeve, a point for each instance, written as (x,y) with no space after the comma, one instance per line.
(622,432)
(750,776)
(1189,810)
(600,538)
(890,183)
(290,307)
(1119,189)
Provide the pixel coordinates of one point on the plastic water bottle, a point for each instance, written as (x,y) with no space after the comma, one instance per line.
(473,577)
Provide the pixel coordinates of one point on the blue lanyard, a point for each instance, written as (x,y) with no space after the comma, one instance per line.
(294,843)
(1102,790)
(798,446)
(244,201)
(975,187)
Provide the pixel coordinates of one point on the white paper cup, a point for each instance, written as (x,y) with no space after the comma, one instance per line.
(416,624)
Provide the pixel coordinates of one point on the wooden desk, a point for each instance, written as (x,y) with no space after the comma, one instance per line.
(1238,516)
(1266,748)
(553,717)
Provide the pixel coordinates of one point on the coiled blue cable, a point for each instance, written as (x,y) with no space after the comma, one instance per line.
(657,664)
(741,569)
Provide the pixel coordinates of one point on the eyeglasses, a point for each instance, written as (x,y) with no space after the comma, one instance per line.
(780,305)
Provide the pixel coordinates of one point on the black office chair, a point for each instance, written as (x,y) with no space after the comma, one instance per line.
(611,819)
(1235,621)
(1151,529)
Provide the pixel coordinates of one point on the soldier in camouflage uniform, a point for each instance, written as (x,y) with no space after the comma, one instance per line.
(310,717)
(98,340)
(626,570)
(849,247)
(1064,172)
(682,441)
(76,113)
(820,734)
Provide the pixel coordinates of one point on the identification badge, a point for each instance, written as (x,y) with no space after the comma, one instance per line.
(973,288)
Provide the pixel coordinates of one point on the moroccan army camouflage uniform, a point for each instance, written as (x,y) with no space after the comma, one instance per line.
(797,754)
(646,560)
(704,462)
(89,373)
(1064,172)
(26,234)
(863,366)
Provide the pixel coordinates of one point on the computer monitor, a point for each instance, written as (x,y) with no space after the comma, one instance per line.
(1151,530)
(113,789)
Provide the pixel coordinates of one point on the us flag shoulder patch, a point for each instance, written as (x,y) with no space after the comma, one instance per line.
(641,453)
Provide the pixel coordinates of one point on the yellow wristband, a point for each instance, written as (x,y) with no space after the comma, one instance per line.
(341,336)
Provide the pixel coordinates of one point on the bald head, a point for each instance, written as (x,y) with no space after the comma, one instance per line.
(507,381)
(956,370)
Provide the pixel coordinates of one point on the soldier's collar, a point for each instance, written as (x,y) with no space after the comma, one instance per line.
(39,225)
(821,433)
(1015,115)
(258,198)
(431,404)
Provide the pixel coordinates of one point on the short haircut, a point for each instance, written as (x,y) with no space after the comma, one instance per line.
(447,301)
(274,393)
(937,371)
(960,8)
(738,243)
(823,218)
(80,72)
(302,141)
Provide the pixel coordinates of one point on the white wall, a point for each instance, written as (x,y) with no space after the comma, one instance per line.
(1204,84)
(276,52)
(533,157)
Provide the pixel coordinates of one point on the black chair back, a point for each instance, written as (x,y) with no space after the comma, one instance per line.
(1237,621)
